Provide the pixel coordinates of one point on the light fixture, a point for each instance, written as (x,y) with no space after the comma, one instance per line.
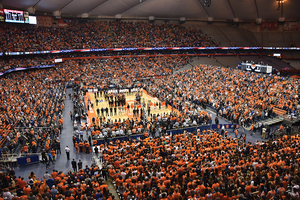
(57,13)
(206,3)
(236,19)
(85,15)
(31,10)
(259,20)
(279,2)
(151,19)
(281,19)
(118,17)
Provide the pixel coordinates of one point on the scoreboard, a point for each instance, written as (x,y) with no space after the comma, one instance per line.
(15,16)
(255,67)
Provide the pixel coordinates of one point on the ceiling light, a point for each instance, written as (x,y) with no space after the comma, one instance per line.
(259,20)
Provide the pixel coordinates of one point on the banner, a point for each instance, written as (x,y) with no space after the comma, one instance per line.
(28,160)
(291,26)
(63,23)
(45,21)
(270,26)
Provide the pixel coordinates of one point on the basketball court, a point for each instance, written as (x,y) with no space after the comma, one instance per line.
(123,113)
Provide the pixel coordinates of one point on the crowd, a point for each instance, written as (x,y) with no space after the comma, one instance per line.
(200,165)
(204,165)
(31,109)
(239,96)
(8,63)
(158,124)
(99,34)
(185,166)
(34,99)
(85,183)
(121,72)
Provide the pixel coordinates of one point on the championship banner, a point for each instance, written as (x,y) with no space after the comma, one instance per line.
(63,23)
(45,21)
(291,26)
(271,26)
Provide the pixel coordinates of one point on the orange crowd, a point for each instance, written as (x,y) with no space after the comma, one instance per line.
(236,95)
(85,183)
(99,34)
(205,166)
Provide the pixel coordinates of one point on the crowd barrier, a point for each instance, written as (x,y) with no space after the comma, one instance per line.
(111,89)
(121,138)
(226,126)
(28,159)
(188,129)
(170,132)
(102,141)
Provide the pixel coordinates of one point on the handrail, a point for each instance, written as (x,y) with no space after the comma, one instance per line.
(29,154)
(291,118)
(34,127)
(3,139)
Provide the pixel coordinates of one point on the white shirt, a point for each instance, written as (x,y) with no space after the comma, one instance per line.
(123,174)
(67,149)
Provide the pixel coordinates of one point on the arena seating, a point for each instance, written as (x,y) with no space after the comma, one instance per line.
(96,34)
(200,165)
(230,36)
(294,63)
(83,182)
(204,165)
(24,110)
(281,39)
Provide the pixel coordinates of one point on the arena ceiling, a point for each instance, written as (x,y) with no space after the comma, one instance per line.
(174,9)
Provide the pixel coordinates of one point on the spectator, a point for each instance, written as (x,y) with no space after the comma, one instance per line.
(74,165)
(67,150)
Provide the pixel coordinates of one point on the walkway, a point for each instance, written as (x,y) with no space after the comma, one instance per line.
(61,163)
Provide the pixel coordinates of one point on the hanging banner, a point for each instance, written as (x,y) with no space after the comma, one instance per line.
(63,22)
(291,26)
(45,21)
